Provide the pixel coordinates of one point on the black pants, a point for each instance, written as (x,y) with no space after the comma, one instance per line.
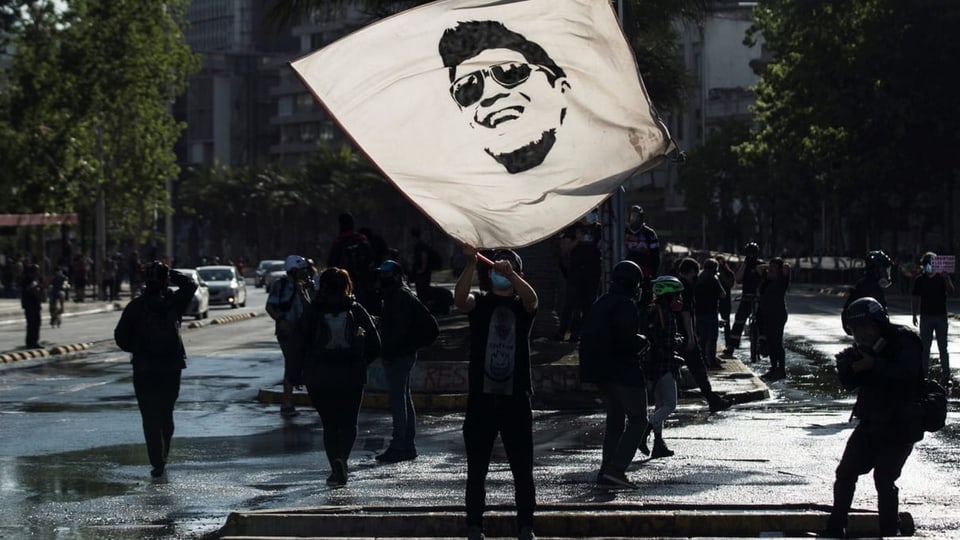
(771,328)
(511,417)
(744,308)
(33,317)
(157,393)
(579,297)
(886,459)
(694,361)
(339,409)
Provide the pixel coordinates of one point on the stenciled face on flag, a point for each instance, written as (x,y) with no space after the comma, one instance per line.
(503,121)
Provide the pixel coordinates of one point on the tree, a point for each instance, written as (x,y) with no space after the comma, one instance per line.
(859,102)
(88,109)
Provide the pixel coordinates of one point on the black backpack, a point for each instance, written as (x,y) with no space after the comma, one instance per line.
(339,337)
(933,399)
(425,328)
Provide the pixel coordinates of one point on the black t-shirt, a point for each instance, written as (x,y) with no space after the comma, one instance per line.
(773,294)
(932,290)
(500,346)
(751,279)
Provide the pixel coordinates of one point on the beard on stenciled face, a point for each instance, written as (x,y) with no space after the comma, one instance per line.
(518,126)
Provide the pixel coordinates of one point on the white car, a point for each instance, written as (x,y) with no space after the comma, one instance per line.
(200,305)
(227,287)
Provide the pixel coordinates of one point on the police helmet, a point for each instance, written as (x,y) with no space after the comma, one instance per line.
(664,285)
(156,273)
(751,249)
(628,273)
(864,309)
(878,258)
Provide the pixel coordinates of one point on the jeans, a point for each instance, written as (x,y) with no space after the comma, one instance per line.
(621,439)
(928,325)
(860,456)
(404,414)
(157,393)
(665,400)
(511,417)
(744,309)
(339,409)
(771,327)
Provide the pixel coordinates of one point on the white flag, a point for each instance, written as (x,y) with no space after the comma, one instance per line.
(504,121)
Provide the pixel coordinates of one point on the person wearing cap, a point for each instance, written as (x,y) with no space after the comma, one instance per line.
(286,301)
(406,325)
(883,366)
(499,383)
(149,329)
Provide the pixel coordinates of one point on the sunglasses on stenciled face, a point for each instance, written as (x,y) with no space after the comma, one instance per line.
(468,89)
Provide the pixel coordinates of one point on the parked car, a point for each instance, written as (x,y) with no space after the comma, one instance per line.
(200,305)
(225,284)
(263,269)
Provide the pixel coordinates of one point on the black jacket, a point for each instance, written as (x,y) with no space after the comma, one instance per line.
(149,328)
(609,343)
(891,386)
(398,323)
(313,365)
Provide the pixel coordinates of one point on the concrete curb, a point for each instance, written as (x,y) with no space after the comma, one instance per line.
(557,520)
(229,318)
(24,355)
(75,347)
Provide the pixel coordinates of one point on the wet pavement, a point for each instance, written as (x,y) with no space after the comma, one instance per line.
(73,466)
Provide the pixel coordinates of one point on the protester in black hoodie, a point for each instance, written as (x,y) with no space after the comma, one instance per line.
(149,329)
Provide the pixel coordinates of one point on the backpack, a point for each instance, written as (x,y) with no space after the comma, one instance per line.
(425,329)
(933,400)
(339,338)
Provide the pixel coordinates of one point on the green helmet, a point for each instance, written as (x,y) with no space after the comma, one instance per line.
(663,285)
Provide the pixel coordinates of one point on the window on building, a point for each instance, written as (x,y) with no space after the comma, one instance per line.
(285,106)
(304,102)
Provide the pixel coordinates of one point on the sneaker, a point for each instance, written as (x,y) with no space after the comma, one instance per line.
(338,475)
(526,533)
(288,412)
(157,472)
(474,532)
(660,450)
(394,455)
(718,404)
(619,479)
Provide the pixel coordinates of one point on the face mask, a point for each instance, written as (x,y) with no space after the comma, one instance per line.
(499,281)
(676,304)
(593,217)
(928,268)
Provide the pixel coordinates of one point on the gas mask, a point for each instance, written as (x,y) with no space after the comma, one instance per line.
(676,304)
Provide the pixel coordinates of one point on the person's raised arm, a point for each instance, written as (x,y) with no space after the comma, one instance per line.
(462,298)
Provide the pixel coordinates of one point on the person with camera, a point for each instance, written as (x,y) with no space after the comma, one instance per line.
(876,278)
(149,329)
(288,298)
(884,368)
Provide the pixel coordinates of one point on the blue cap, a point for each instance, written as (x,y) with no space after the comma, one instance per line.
(390,267)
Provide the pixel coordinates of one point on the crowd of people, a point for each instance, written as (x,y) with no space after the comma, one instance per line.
(633,339)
